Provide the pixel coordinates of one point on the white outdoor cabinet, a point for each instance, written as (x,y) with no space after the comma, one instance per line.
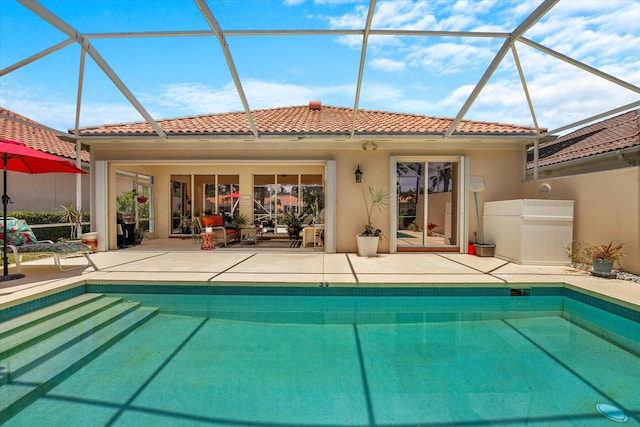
(530,231)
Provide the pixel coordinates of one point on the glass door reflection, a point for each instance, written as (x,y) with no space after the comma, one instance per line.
(427,194)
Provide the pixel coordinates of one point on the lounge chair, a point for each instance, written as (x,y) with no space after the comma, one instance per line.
(22,240)
(224,233)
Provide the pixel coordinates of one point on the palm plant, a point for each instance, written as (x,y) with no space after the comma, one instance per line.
(293,219)
(294,222)
(377,201)
(72,215)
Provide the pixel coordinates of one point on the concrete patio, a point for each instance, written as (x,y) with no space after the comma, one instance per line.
(185,263)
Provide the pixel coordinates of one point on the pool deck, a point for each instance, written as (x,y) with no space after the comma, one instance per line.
(184,263)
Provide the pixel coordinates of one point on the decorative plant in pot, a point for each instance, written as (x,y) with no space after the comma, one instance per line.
(294,222)
(430,227)
(603,257)
(240,221)
(377,200)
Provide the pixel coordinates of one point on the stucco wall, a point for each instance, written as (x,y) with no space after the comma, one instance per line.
(607,206)
(500,168)
(502,173)
(45,192)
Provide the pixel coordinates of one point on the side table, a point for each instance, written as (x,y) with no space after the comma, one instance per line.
(249,234)
(207,241)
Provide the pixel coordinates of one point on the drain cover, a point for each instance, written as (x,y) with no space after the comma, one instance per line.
(611,412)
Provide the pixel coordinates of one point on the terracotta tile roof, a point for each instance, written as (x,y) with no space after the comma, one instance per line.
(609,135)
(326,120)
(37,138)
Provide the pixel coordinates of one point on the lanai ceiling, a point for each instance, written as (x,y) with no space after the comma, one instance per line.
(500,61)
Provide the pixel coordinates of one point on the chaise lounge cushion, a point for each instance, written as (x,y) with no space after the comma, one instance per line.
(19,232)
(21,240)
(63,248)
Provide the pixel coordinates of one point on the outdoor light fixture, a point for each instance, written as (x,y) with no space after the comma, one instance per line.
(358,174)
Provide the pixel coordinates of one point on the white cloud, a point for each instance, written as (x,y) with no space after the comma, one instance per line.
(403,15)
(473,7)
(197,98)
(48,109)
(593,30)
(385,64)
(450,58)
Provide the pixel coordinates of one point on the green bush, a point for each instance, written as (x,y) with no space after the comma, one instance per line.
(49,233)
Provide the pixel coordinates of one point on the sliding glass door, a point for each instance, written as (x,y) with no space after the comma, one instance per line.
(427,208)
(196,195)
(273,195)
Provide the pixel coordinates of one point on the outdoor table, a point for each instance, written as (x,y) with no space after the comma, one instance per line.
(248,234)
(207,241)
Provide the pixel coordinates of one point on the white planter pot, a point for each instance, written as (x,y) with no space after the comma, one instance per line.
(367,245)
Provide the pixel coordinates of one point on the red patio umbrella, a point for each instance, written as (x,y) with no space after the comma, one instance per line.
(17,157)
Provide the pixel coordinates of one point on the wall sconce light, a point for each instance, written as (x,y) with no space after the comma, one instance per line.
(358,174)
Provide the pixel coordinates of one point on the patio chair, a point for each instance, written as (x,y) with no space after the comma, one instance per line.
(312,235)
(22,240)
(224,233)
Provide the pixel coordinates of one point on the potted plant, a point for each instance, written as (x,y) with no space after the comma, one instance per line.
(430,227)
(603,256)
(367,241)
(185,223)
(241,221)
(294,222)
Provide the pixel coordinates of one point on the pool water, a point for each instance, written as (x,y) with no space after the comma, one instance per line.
(216,360)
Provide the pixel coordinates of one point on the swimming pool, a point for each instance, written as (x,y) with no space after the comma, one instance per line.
(353,356)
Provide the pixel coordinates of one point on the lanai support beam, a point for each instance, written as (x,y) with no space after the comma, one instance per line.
(35,57)
(621,109)
(580,65)
(363,56)
(516,34)
(215,27)
(61,25)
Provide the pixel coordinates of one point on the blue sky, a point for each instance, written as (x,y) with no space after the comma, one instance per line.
(181,76)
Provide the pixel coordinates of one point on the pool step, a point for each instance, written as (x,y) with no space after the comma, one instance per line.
(17,324)
(49,323)
(31,371)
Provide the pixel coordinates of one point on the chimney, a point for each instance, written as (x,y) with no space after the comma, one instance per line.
(315,105)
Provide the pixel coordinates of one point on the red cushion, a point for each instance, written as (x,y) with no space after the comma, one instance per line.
(212,221)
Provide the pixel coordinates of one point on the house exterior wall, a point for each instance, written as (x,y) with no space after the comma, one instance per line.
(502,173)
(501,168)
(45,192)
(607,206)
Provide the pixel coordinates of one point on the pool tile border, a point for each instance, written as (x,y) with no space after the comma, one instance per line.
(315,290)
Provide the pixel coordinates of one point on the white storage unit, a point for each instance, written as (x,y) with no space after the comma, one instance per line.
(530,231)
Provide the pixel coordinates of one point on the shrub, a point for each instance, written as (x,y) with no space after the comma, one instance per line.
(49,233)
